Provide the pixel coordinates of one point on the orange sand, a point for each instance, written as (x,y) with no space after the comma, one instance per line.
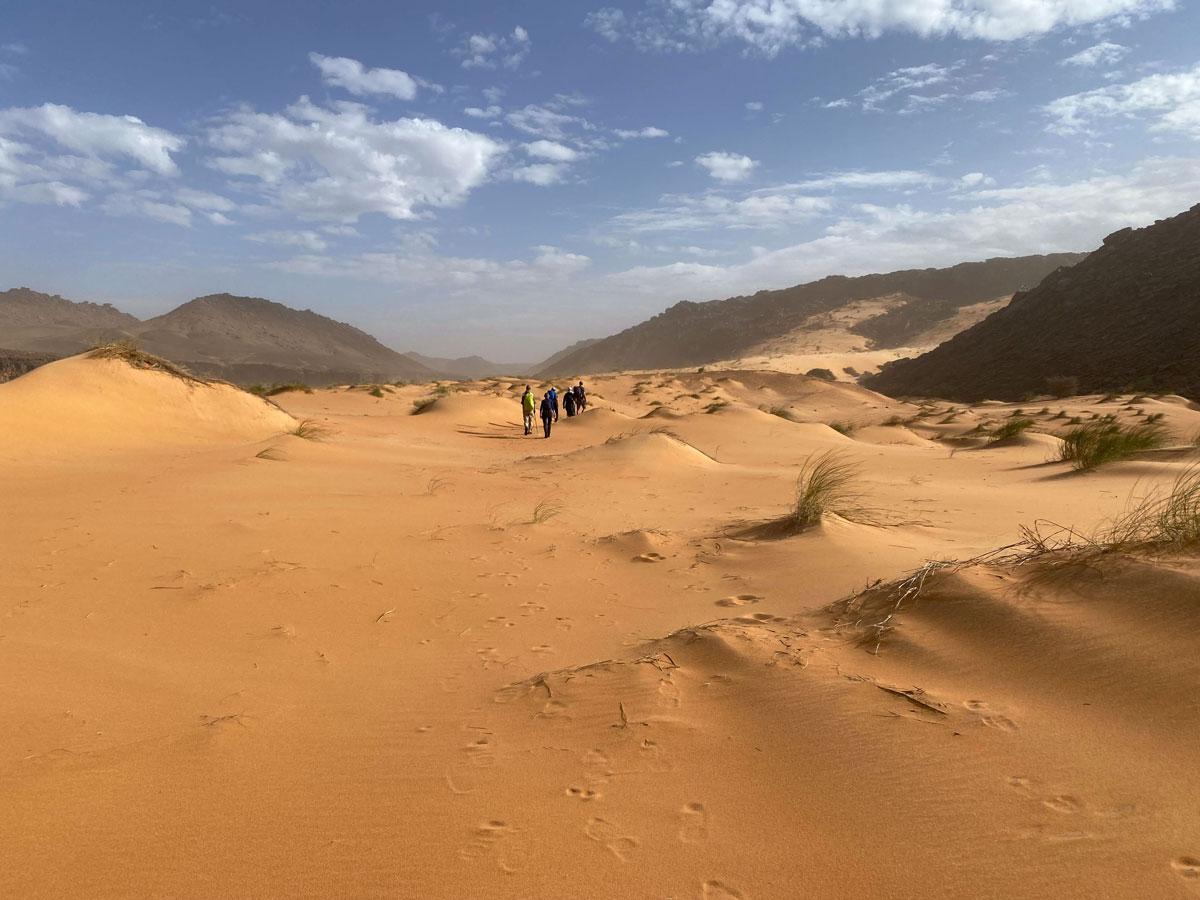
(363,670)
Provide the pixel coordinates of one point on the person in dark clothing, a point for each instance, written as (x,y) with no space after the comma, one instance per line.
(547,411)
(554,402)
(569,402)
(580,397)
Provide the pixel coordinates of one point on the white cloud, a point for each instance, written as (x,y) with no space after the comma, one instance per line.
(351,75)
(552,150)
(338,164)
(769,26)
(204,200)
(1173,99)
(487,51)
(546,120)
(476,113)
(96,135)
(754,105)
(901,178)
(147,204)
(340,230)
(727,166)
(306,240)
(415,267)
(219,219)
(1041,217)
(648,132)
(974,179)
(542,174)
(1103,53)
(766,209)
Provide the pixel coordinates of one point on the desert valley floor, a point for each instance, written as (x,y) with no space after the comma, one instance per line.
(426,656)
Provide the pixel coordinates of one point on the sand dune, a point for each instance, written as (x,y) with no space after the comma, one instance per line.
(80,406)
(428,656)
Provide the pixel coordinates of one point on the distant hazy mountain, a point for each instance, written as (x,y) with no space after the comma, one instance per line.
(241,339)
(252,339)
(1127,317)
(465,368)
(911,303)
(49,324)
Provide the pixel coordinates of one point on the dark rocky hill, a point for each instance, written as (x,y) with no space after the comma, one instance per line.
(49,324)
(691,334)
(1127,317)
(252,339)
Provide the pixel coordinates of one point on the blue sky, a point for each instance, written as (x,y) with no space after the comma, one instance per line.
(507,178)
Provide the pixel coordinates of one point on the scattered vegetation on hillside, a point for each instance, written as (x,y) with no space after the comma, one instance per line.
(270,390)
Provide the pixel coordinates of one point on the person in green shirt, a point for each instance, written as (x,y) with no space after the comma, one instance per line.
(527,406)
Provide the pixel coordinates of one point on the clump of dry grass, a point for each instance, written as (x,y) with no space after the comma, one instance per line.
(127,351)
(1101,442)
(310,430)
(826,483)
(1010,430)
(419,406)
(783,412)
(1165,519)
(272,453)
(547,508)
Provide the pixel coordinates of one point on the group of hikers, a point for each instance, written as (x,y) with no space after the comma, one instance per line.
(574,400)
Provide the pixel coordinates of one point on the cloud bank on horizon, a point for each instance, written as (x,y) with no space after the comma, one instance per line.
(468,179)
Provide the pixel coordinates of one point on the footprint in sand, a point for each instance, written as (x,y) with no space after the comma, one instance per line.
(668,694)
(719,890)
(597,769)
(649,558)
(990,718)
(693,826)
(739,600)
(1186,867)
(481,753)
(622,846)
(496,838)
(584,794)
(1065,804)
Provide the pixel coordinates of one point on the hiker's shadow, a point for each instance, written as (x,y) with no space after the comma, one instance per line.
(508,432)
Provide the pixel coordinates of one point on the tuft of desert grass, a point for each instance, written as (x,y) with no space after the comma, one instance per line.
(1010,430)
(1162,519)
(419,406)
(547,508)
(272,453)
(1097,443)
(827,483)
(783,412)
(843,428)
(127,351)
(310,430)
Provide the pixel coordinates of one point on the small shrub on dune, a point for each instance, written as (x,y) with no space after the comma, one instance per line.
(783,412)
(1010,430)
(843,428)
(310,430)
(376,391)
(419,406)
(547,508)
(127,351)
(1163,519)
(1098,443)
(827,483)
(895,421)
(715,405)
(290,387)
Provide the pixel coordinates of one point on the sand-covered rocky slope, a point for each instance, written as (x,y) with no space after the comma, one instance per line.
(427,656)
(1127,317)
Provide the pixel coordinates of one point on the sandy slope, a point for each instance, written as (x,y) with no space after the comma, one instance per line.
(364,669)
